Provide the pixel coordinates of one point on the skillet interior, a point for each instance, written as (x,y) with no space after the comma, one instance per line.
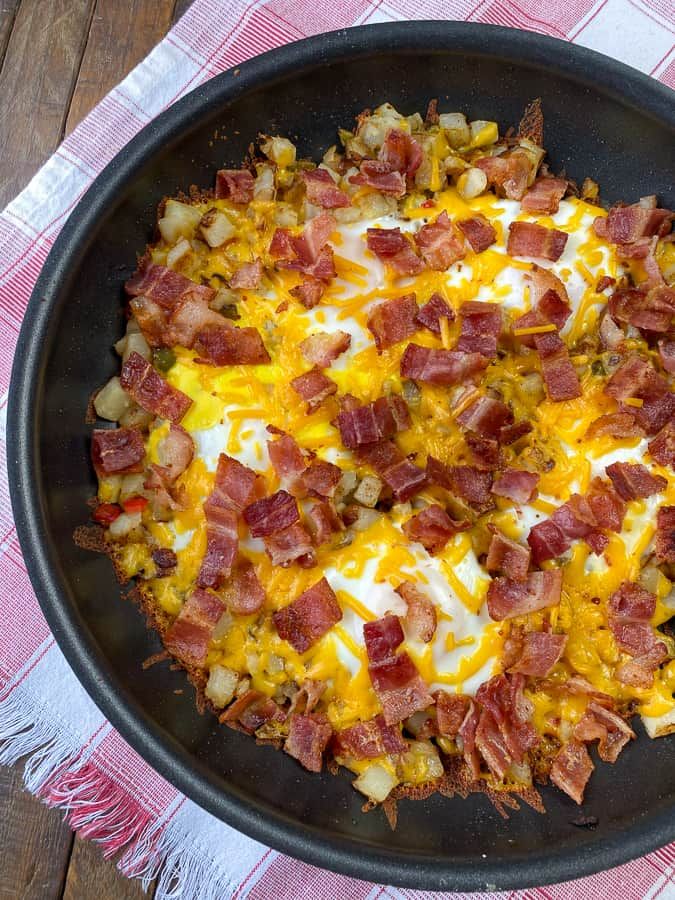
(602,119)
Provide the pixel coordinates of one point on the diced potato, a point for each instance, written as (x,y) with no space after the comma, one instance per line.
(179,220)
(483,133)
(456,129)
(132,485)
(658,726)
(216,227)
(136,343)
(280,150)
(223,625)
(415,122)
(346,485)
(421,762)
(369,490)
(221,685)
(124,524)
(365,518)
(454,165)
(263,186)
(472,183)
(376,783)
(332,159)
(284,215)
(109,488)
(112,401)
(136,417)
(179,251)
(224,297)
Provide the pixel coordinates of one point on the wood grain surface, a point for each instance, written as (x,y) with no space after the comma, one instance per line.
(57,59)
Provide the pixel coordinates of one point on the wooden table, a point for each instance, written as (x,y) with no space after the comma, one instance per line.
(57,59)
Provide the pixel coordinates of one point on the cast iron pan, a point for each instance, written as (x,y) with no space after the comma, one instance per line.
(602,119)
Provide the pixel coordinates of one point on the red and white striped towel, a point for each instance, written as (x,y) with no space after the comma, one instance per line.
(75,759)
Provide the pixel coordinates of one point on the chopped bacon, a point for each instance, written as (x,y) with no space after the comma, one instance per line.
(632,603)
(164,286)
(189,634)
(321,478)
(440,366)
(243,593)
(662,447)
(400,688)
(512,433)
(308,292)
(433,528)
(549,300)
(507,597)
(508,173)
(235,185)
(451,710)
(146,387)
(420,616)
(431,313)
(403,477)
(560,377)
(634,307)
(507,557)
(467,732)
(609,729)
(292,544)
(257,713)
(222,543)
(528,239)
(382,637)
(395,250)
(306,698)
(308,737)
(637,639)
(636,378)
(248,276)
(271,514)
(599,507)
(323,521)
(571,769)
(486,416)
(287,459)
(368,740)
(467,482)
(236,486)
(117,451)
(665,534)
(517,485)
(544,197)
(373,422)
(439,244)
(322,190)
(481,326)
(189,317)
(401,152)
(667,355)
(393,321)
(629,611)
(618,425)
(305,621)
(655,413)
(639,672)
(175,452)
(379,176)
(231,346)
(479,233)
(541,650)
(632,481)
(505,732)
(628,224)
(309,251)
(314,387)
(322,348)
(611,336)
(485,453)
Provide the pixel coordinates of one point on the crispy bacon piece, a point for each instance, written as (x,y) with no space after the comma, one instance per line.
(629,611)
(306,698)
(393,321)
(403,477)
(182,324)
(308,737)
(175,452)
(507,557)
(305,621)
(512,433)
(618,425)
(323,521)
(147,388)
(164,286)
(117,451)
(308,292)
(394,250)
(507,597)
(571,769)
(368,740)
(236,486)
(322,348)
(535,241)
(379,176)
(599,507)
(440,366)
(243,593)
(235,185)
(292,544)
(438,244)
(287,459)
(667,355)
(650,311)
(632,602)
(314,387)
(541,650)
(248,276)
(544,197)
(451,710)
(636,378)
(322,190)
(504,733)
(189,634)
(321,478)
(231,347)
(665,534)
(433,528)
(486,417)
(401,152)
(467,732)
(222,543)
(560,377)
(508,173)
(420,616)
(662,447)
(549,301)
(517,485)
(399,687)
(271,514)
(479,233)
(308,252)
(632,481)
(611,336)
(373,422)
(628,224)
(471,484)
(484,452)
(382,637)
(481,326)
(609,729)
(431,313)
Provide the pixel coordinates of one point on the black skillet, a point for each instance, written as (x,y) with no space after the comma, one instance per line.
(602,119)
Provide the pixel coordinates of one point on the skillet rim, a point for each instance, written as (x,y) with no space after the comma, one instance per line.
(163,752)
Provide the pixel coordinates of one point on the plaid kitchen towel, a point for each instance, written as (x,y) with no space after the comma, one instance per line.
(76,760)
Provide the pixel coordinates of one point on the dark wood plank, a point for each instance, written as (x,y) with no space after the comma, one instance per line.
(36,83)
(121,35)
(8,9)
(90,876)
(35,843)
